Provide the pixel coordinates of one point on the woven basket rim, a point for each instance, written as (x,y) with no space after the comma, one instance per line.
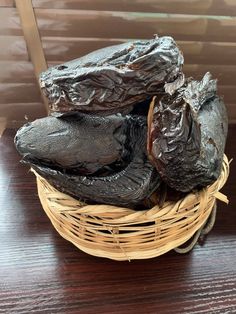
(123,234)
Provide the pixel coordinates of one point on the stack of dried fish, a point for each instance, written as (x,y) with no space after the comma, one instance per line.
(105,141)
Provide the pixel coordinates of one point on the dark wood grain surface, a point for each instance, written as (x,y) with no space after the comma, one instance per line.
(40,272)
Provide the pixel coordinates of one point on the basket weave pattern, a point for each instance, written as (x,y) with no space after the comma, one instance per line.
(124,234)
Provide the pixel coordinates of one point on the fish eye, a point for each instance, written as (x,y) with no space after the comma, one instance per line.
(62,67)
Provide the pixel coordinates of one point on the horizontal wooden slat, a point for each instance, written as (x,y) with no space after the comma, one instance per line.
(59,48)
(208,52)
(7,3)
(225,74)
(64,49)
(10,22)
(215,7)
(19,111)
(107,24)
(16,72)
(78,23)
(228,93)
(13,48)
(19,93)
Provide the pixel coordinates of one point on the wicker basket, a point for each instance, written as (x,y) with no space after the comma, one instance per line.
(124,234)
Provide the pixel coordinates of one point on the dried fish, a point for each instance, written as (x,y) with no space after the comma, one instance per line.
(113,78)
(187,135)
(127,187)
(80,143)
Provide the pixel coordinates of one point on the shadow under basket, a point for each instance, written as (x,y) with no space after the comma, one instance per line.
(124,234)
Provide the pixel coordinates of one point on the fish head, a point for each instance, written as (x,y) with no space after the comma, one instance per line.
(31,139)
(54,83)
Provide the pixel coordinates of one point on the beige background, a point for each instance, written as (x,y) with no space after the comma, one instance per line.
(204,29)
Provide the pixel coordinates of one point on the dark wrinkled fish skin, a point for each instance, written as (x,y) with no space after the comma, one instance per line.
(80,142)
(127,187)
(114,77)
(188,135)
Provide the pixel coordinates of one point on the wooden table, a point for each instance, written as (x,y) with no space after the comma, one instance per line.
(40,272)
